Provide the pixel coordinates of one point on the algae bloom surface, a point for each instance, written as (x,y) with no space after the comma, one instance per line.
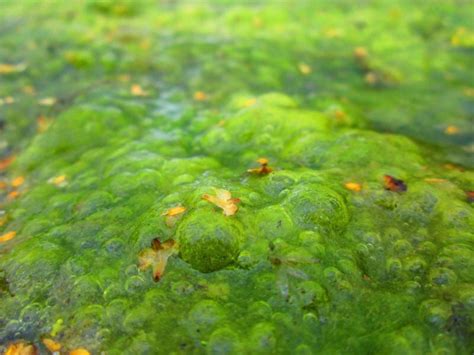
(236,177)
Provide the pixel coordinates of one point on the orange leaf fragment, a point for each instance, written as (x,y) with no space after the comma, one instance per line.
(21,348)
(470,196)
(157,257)
(394,184)
(52,345)
(136,90)
(451,130)
(450,166)
(13,195)
(79,351)
(264,169)
(6,162)
(223,199)
(43,123)
(47,101)
(173,214)
(18,181)
(7,236)
(3,185)
(353,186)
(200,96)
(360,53)
(174,211)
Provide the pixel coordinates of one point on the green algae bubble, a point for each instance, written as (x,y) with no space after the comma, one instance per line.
(204,317)
(274,222)
(435,313)
(208,240)
(224,341)
(262,338)
(317,207)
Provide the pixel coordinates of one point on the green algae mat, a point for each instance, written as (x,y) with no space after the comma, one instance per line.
(233,177)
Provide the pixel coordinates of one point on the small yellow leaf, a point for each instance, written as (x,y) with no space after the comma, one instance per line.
(200,96)
(145,44)
(333,33)
(7,236)
(371,78)
(264,169)
(12,68)
(13,195)
(21,348)
(173,214)
(8,100)
(360,53)
(136,90)
(174,211)
(249,102)
(224,200)
(79,351)
(59,181)
(450,166)
(18,181)
(469,92)
(47,101)
(42,123)
(28,89)
(435,180)
(157,257)
(52,345)
(304,69)
(353,186)
(451,130)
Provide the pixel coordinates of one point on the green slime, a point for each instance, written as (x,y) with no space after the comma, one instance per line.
(305,266)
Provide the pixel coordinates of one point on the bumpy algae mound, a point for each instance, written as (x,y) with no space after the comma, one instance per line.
(304,263)
(208,241)
(130,112)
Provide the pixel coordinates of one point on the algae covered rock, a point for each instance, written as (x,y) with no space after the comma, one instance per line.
(299,251)
(108,123)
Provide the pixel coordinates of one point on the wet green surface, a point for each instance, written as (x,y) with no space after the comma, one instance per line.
(331,93)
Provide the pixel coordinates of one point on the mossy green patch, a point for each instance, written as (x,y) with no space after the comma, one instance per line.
(331,95)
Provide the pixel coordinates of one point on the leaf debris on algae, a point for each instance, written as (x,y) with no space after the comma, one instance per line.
(394,184)
(223,199)
(7,236)
(264,169)
(157,257)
